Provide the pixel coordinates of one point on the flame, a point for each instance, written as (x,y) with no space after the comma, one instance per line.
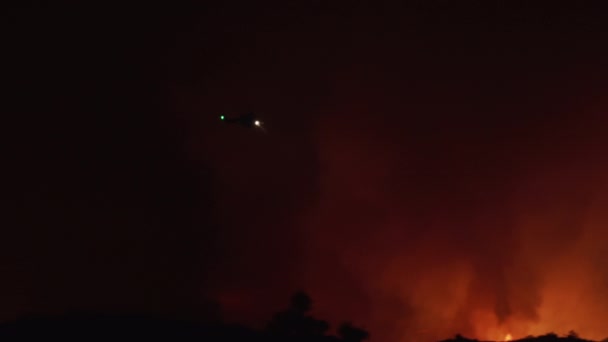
(508,337)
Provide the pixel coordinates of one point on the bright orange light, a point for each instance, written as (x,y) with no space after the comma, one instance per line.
(508,337)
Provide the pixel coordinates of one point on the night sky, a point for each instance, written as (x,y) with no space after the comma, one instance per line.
(427,169)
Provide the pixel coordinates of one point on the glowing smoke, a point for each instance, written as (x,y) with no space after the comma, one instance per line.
(464,235)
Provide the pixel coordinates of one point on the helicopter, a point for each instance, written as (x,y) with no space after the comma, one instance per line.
(248,120)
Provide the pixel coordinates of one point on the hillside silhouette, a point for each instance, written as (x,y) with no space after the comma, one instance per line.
(294,323)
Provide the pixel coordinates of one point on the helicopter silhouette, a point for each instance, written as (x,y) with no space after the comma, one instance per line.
(248,120)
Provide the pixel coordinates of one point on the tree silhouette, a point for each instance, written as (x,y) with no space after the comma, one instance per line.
(572,334)
(295,322)
(549,336)
(301,302)
(348,333)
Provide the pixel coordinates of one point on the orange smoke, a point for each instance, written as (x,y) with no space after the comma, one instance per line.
(491,239)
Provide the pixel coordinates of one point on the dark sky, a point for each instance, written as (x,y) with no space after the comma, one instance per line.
(427,169)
